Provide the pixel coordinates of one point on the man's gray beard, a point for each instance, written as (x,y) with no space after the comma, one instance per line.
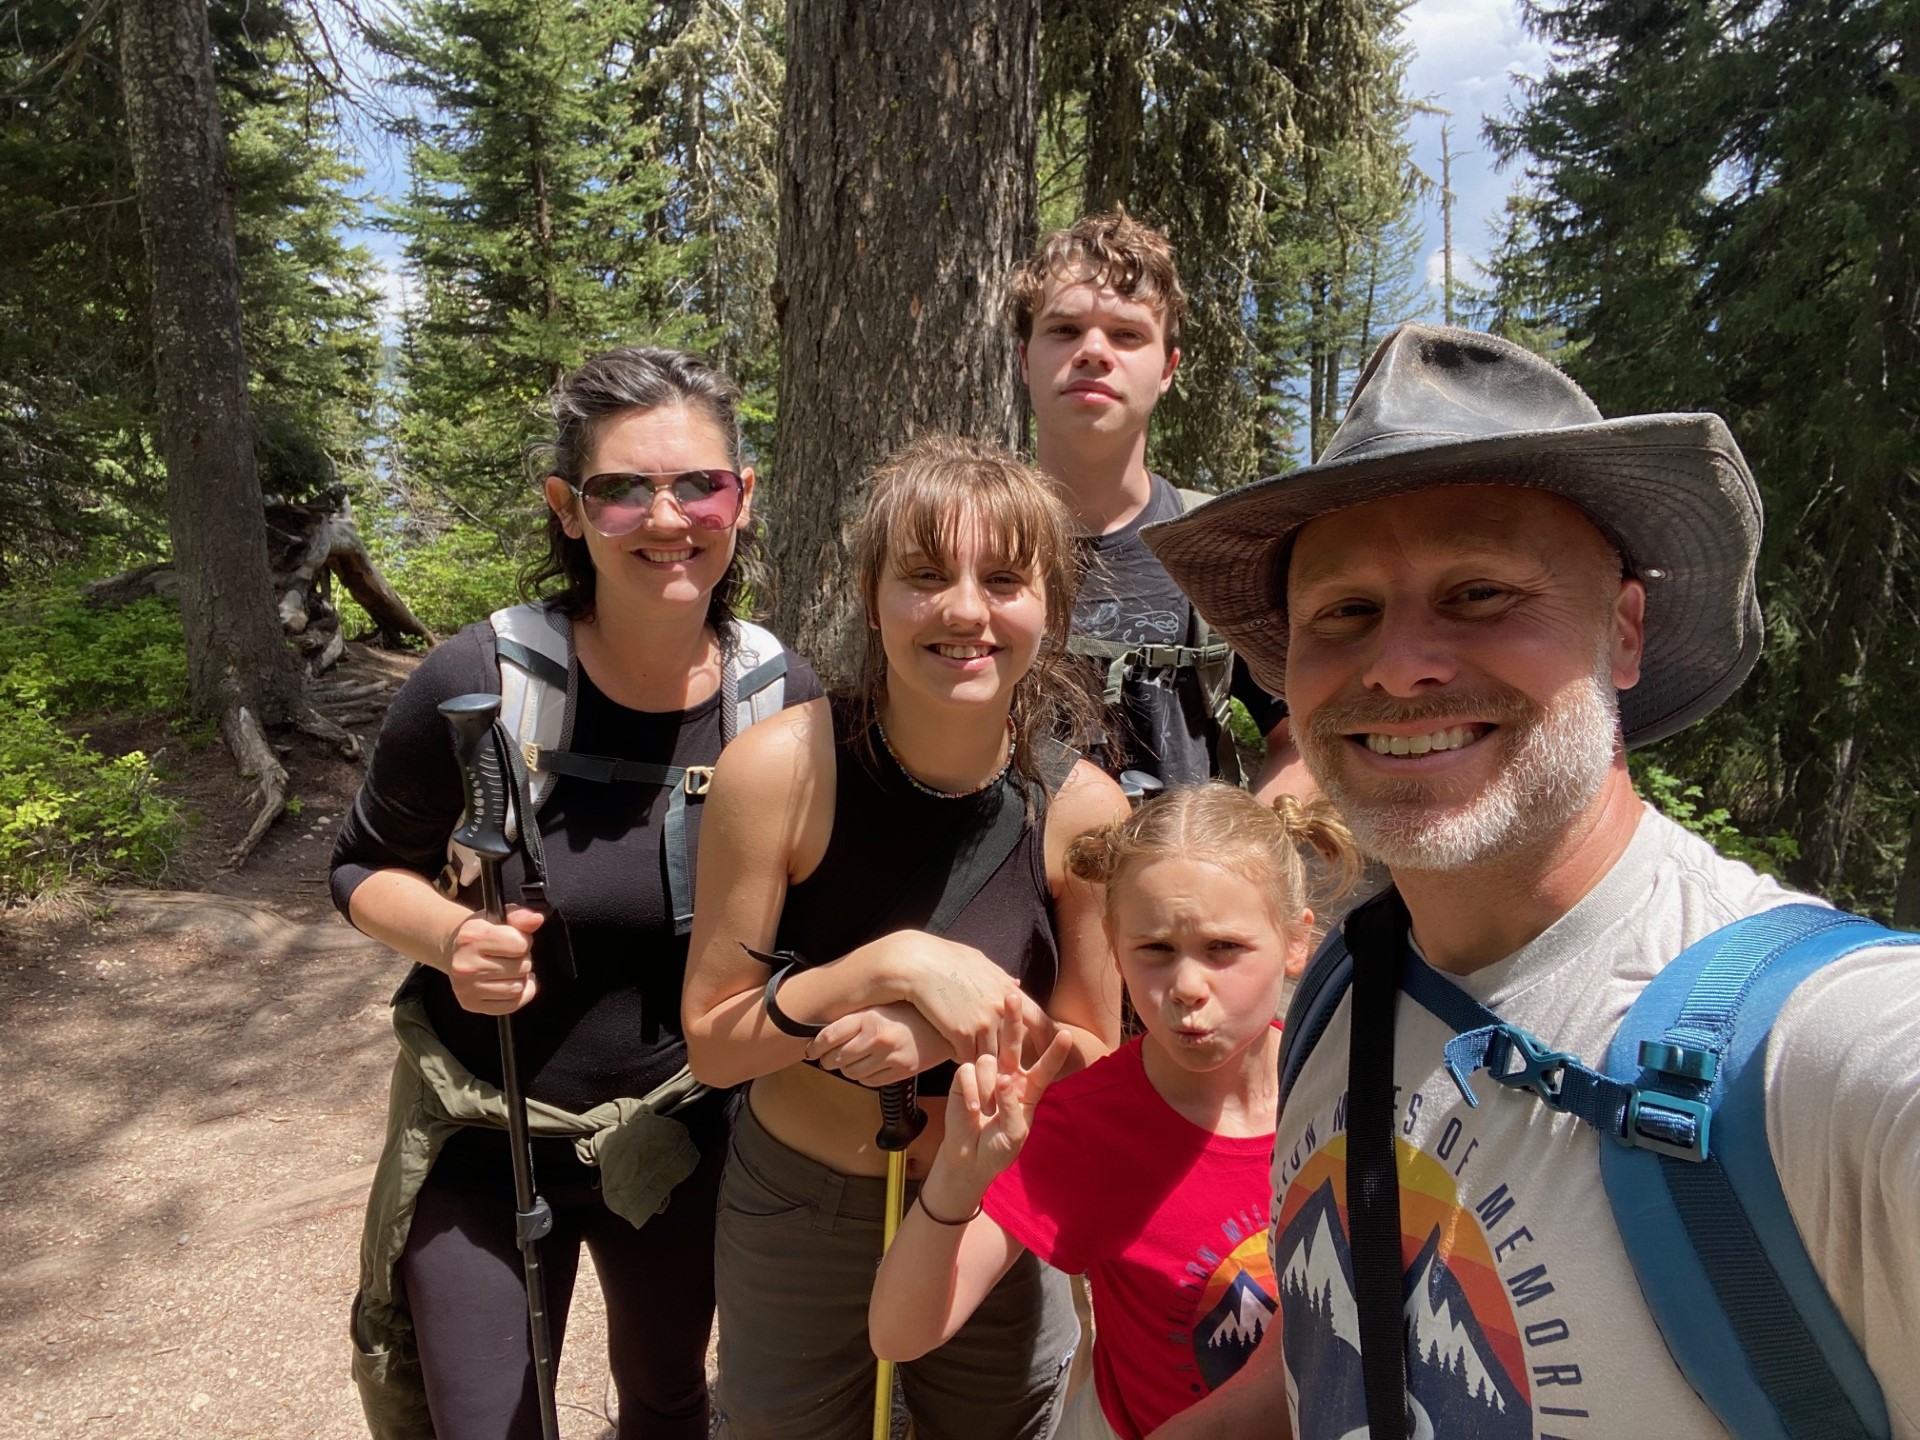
(1561,760)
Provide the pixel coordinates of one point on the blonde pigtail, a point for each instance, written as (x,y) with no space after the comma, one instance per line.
(1318,825)
(1094,856)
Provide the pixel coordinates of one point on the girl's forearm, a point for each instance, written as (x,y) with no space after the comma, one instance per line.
(935,1276)
(913,1308)
(736,1039)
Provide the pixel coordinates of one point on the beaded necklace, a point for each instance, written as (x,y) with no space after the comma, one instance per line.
(925,789)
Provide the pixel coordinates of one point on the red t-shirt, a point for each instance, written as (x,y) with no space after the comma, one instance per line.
(1167,1220)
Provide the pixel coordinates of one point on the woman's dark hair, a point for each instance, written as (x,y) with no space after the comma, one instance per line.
(637,377)
(918,502)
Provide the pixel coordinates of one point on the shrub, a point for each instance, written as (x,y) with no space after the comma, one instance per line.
(1685,804)
(67,812)
(77,660)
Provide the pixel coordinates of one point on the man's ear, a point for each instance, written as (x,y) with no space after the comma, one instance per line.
(1629,634)
(560,500)
(1173,364)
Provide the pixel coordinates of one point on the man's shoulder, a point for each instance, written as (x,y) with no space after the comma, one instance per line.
(1697,890)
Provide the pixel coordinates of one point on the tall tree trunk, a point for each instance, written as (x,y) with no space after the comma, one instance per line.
(236,655)
(906,197)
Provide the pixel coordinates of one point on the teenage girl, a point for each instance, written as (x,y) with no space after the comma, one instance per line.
(832,831)
(1148,1169)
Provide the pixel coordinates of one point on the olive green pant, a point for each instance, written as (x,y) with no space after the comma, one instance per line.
(795,1252)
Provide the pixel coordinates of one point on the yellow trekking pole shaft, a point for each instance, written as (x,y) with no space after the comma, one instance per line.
(901,1121)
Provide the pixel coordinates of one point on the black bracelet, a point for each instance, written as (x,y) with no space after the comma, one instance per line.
(770,997)
(920,1199)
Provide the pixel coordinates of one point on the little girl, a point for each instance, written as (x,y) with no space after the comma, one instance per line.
(1147,1170)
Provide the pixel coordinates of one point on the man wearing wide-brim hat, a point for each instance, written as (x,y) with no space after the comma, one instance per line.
(1474,603)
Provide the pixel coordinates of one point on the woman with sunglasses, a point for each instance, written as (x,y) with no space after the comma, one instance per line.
(842,836)
(649,537)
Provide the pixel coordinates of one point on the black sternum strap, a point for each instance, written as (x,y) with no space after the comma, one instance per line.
(681,782)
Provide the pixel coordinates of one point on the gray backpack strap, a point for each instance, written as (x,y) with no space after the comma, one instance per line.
(537,687)
(1216,672)
(759,672)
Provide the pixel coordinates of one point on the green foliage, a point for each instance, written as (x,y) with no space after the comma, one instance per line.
(1686,804)
(69,659)
(1721,218)
(67,812)
(449,579)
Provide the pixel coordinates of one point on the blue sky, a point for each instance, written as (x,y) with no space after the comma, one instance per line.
(1465,56)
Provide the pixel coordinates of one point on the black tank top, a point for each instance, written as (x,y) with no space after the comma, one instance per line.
(883,870)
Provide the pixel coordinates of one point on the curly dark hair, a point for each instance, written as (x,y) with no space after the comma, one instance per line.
(638,377)
(1111,249)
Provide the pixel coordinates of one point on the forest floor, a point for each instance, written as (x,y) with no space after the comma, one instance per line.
(195,1083)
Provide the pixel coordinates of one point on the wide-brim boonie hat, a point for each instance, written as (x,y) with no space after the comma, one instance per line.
(1454,407)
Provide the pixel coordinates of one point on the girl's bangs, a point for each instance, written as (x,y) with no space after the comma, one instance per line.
(936,508)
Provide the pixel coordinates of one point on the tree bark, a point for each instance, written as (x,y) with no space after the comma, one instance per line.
(236,657)
(906,198)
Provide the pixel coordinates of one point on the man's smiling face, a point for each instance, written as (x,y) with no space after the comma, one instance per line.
(1453,658)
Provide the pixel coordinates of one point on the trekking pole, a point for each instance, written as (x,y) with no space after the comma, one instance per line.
(901,1121)
(483,830)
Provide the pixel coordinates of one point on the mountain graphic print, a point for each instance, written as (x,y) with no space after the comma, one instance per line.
(1463,1371)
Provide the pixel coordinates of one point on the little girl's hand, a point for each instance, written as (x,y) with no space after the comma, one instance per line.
(990,1108)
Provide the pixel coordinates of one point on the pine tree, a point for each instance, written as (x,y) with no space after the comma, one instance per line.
(1726,213)
(534,227)
(78,461)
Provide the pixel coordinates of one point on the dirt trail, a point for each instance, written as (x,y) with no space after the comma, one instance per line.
(194,1088)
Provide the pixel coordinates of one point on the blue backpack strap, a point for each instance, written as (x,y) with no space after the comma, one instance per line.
(1719,1260)
(1690,1177)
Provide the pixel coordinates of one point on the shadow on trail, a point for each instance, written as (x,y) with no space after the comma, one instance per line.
(186,1075)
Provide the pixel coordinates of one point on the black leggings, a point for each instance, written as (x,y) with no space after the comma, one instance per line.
(467,1294)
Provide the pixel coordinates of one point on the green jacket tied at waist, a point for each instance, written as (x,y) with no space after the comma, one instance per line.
(641,1152)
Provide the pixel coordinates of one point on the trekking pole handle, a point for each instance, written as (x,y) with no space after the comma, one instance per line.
(483,826)
(901,1118)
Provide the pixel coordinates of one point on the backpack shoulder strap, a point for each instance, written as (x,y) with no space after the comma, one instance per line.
(535,646)
(1216,672)
(1315,998)
(1721,1265)
(759,663)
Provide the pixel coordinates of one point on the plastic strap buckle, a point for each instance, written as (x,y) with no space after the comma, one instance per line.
(1668,1124)
(1540,1070)
(698,779)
